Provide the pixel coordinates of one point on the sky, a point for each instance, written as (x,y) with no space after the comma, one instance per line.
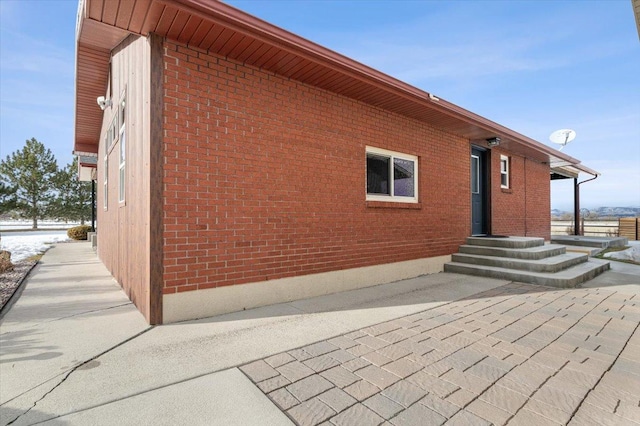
(533,66)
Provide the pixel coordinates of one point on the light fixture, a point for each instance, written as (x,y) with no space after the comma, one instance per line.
(103,102)
(493,142)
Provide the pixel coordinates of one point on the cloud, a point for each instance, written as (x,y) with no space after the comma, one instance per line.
(23,53)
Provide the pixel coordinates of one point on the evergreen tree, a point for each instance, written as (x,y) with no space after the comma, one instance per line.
(30,171)
(7,198)
(73,201)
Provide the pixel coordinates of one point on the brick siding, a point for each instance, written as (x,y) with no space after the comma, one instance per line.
(523,209)
(264,178)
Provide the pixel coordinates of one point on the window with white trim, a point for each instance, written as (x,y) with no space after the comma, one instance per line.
(109,139)
(106,170)
(123,149)
(391,176)
(504,171)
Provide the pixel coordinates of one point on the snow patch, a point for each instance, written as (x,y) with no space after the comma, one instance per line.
(23,245)
(6,225)
(632,253)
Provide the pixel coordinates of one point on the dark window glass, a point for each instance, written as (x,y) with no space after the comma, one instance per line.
(378,175)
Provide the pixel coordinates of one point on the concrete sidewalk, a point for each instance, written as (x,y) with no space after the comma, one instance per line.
(74,350)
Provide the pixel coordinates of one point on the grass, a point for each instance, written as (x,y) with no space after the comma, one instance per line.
(614,249)
(35,257)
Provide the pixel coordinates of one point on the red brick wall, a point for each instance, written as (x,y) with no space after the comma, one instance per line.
(523,209)
(264,178)
(538,200)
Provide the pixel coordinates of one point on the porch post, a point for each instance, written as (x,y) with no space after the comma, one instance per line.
(576,207)
(93,205)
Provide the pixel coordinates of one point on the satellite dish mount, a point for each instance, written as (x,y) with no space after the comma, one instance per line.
(562,137)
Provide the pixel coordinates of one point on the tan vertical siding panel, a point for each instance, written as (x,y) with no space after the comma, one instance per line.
(123,228)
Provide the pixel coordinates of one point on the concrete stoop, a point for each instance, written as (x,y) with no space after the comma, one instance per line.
(524,259)
(598,242)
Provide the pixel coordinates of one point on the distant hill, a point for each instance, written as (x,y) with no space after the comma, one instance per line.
(603,212)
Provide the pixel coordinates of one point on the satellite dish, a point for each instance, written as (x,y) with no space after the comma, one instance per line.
(562,137)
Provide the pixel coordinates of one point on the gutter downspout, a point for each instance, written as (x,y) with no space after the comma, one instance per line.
(576,203)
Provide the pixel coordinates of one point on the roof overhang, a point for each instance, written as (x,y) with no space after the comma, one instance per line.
(561,169)
(219,28)
(87,174)
(87,166)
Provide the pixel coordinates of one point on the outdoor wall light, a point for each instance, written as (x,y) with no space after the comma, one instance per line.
(103,103)
(493,142)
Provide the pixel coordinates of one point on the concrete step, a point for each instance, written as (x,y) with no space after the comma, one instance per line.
(599,242)
(549,264)
(591,251)
(506,242)
(531,253)
(570,277)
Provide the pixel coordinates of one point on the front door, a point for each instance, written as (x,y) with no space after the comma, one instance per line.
(479,190)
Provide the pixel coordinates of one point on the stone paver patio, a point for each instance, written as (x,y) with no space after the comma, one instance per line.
(519,354)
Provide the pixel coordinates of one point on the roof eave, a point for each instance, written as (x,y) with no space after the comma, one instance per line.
(240,20)
(98,37)
(94,42)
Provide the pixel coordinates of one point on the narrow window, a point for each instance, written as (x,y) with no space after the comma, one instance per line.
(391,176)
(504,171)
(123,150)
(114,129)
(475,174)
(106,170)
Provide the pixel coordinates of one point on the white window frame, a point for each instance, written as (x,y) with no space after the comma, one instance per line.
(122,111)
(106,171)
(475,179)
(392,155)
(109,139)
(504,171)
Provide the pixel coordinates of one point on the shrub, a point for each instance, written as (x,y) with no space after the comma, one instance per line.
(79,232)
(5,261)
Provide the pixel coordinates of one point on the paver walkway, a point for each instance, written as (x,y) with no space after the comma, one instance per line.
(519,354)
(442,348)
